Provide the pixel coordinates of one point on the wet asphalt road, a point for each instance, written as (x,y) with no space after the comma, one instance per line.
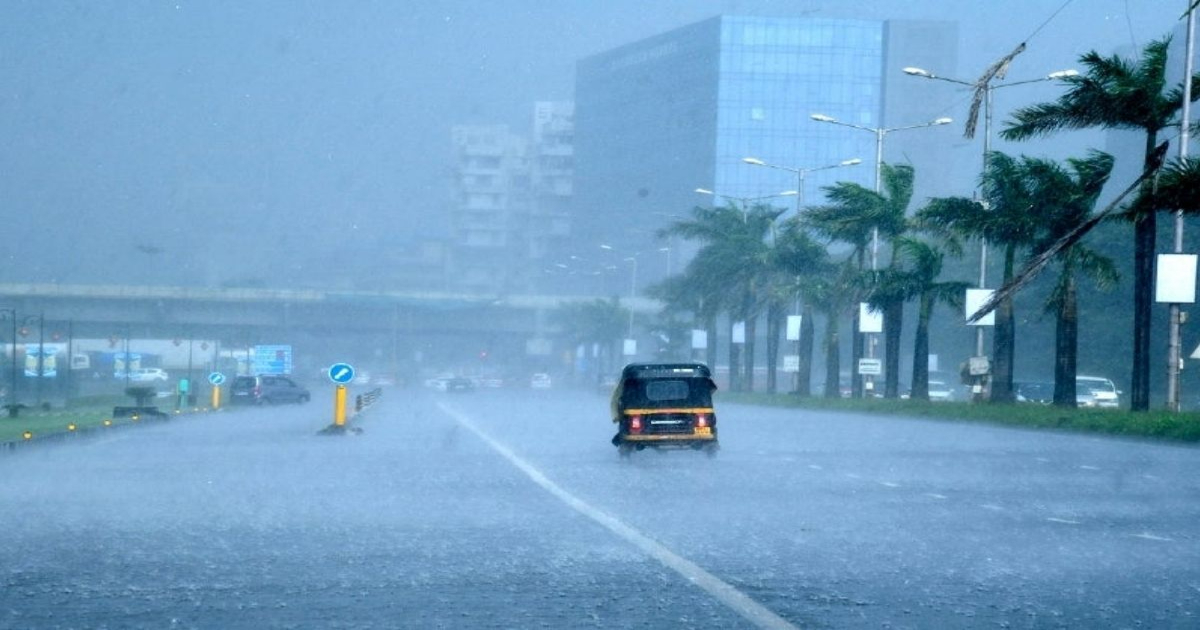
(249,520)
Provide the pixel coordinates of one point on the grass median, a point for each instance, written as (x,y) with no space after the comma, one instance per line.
(1158,424)
(83,414)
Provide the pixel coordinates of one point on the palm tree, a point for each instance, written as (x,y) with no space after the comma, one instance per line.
(1066,200)
(1006,219)
(852,216)
(1116,93)
(733,260)
(599,321)
(923,266)
(798,261)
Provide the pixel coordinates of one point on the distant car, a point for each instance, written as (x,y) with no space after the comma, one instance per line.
(939,391)
(1038,392)
(266,389)
(540,381)
(459,384)
(1096,391)
(149,375)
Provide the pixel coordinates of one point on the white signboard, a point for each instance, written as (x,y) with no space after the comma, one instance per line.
(978,366)
(933,363)
(791,363)
(793,327)
(1176,279)
(739,332)
(976,298)
(699,339)
(870,367)
(630,347)
(869,319)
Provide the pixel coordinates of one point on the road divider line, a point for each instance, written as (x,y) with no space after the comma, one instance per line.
(1149,536)
(1065,521)
(722,591)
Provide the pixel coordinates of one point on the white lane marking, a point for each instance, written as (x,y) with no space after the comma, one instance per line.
(1043,460)
(889,484)
(1089,467)
(1149,536)
(991,506)
(1065,521)
(853,476)
(936,495)
(749,609)
(815,467)
(1150,477)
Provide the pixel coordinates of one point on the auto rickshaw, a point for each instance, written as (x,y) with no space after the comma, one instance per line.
(664,406)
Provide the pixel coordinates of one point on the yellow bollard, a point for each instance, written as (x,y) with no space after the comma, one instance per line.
(339,406)
(216,397)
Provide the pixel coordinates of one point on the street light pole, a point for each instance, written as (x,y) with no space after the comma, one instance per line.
(1174,349)
(632,291)
(880,133)
(988,88)
(800,174)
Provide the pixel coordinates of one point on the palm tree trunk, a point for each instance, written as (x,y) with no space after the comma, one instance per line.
(1066,343)
(1004,340)
(751,333)
(833,357)
(856,353)
(804,374)
(1145,231)
(774,319)
(920,367)
(892,325)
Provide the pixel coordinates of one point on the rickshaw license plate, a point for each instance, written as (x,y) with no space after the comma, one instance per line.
(703,430)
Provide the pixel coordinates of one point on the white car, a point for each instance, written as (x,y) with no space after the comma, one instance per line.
(540,381)
(1096,391)
(939,391)
(149,375)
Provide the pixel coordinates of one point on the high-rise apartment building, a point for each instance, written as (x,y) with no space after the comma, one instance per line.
(511,195)
(659,118)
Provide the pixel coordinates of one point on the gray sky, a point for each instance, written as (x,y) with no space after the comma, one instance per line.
(236,135)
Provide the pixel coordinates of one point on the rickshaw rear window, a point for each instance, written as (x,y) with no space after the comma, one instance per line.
(662,391)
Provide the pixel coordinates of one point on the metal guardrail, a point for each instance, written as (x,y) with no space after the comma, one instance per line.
(362,401)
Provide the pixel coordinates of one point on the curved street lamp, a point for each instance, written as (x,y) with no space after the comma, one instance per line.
(800,173)
(987,89)
(746,201)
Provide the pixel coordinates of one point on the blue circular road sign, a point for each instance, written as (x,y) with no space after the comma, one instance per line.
(216,378)
(341,373)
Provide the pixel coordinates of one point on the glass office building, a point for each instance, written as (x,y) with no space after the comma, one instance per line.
(659,118)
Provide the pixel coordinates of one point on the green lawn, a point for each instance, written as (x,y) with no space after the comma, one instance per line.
(1183,427)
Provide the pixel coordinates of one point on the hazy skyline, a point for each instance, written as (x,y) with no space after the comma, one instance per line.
(242,136)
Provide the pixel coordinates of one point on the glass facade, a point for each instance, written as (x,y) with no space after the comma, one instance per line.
(774,73)
(658,118)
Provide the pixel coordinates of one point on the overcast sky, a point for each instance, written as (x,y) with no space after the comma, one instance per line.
(238,134)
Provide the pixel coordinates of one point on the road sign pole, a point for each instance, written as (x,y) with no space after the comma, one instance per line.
(216,397)
(339,406)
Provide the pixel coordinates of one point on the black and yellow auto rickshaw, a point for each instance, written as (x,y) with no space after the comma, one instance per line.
(664,405)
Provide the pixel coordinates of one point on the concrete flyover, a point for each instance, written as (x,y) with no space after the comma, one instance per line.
(411,319)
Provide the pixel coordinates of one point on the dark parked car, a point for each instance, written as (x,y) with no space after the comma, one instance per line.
(1039,392)
(266,389)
